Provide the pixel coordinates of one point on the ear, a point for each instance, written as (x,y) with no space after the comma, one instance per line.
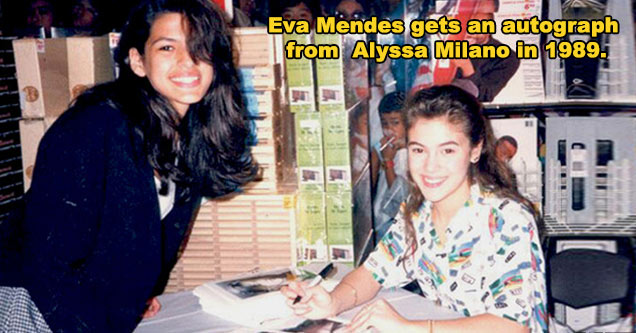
(136,62)
(475,153)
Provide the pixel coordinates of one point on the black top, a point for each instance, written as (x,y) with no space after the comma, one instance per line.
(492,75)
(94,248)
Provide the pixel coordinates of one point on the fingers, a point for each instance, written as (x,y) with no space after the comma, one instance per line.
(361,320)
(153,308)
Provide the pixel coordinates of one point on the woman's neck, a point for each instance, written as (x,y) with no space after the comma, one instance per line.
(444,210)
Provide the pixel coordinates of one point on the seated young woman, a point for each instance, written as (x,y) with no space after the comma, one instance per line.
(465,234)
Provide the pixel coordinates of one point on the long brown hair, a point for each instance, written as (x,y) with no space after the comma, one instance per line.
(463,110)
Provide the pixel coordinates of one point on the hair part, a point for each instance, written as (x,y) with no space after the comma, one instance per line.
(464,111)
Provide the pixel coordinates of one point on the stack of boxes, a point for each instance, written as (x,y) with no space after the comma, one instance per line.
(252,230)
(51,73)
(325,226)
(10,162)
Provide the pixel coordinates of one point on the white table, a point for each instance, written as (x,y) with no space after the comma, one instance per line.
(181,313)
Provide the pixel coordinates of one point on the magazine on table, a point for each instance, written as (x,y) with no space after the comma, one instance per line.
(255,300)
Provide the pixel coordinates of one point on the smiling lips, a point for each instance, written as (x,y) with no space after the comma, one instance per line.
(432,182)
(186,81)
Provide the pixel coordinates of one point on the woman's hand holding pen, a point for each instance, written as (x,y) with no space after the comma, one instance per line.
(316,302)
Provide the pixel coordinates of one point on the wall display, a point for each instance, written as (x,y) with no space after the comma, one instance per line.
(607,79)
(590,185)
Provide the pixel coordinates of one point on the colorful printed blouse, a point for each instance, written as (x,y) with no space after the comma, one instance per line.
(491,262)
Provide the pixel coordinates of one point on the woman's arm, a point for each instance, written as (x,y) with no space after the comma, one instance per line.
(356,288)
(485,323)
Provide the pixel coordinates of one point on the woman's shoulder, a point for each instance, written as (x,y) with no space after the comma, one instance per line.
(86,120)
(506,213)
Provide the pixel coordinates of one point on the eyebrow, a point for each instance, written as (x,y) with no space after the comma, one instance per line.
(415,143)
(160,39)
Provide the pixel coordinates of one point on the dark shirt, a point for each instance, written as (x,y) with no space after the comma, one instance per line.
(94,248)
(492,75)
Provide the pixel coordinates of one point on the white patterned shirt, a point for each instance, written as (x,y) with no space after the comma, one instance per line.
(491,262)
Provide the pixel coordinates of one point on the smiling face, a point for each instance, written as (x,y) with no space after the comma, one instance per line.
(440,155)
(169,66)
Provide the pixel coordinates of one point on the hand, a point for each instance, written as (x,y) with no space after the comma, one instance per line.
(389,151)
(465,65)
(153,308)
(380,315)
(316,302)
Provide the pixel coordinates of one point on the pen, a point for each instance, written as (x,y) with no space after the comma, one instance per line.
(323,274)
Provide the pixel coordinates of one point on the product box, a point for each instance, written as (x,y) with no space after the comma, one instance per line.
(300,78)
(311,228)
(254,47)
(335,132)
(340,227)
(89,63)
(261,103)
(329,76)
(260,77)
(309,151)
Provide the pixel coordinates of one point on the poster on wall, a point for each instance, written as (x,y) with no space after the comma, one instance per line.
(506,80)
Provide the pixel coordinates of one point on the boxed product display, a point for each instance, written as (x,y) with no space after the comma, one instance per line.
(311,228)
(300,78)
(335,134)
(329,76)
(309,151)
(340,227)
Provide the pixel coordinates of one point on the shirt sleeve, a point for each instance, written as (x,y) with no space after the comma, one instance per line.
(515,281)
(386,262)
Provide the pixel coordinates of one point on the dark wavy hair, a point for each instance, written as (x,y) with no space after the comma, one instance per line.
(464,111)
(208,146)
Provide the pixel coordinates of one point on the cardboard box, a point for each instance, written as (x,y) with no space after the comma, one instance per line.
(311,229)
(52,72)
(335,133)
(309,151)
(89,63)
(340,227)
(42,70)
(31,132)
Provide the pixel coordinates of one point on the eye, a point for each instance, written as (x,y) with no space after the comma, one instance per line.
(166,48)
(417,150)
(448,151)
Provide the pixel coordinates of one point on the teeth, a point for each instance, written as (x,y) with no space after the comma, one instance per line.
(433,180)
(185,79)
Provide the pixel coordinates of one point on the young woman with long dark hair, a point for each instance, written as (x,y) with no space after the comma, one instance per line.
(120,175)
(465,234)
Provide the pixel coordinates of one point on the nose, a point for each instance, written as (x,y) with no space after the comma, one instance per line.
(431,162)
(185,59)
